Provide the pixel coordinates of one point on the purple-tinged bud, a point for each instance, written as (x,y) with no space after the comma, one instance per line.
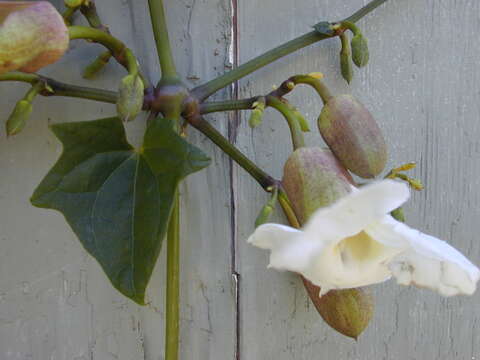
(32,35)
(314,178)
(353,135)
(348,311)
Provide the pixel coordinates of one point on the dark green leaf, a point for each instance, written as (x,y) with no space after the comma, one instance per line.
(116,199)
(324,28)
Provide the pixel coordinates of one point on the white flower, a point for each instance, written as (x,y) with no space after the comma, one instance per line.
(355,242)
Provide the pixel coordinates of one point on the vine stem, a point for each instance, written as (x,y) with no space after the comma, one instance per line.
(204,91)
(160,32)
(263,179)
(56,88)
(172,318)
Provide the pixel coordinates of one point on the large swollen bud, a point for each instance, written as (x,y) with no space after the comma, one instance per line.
(32,35)
(353,135)
(313,178)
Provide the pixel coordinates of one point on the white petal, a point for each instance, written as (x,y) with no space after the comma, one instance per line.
(289,250)
(354,212)
(429,262)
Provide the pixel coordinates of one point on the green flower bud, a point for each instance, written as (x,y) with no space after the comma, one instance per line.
(360,53)
(304,125)
(256,116)
(73,3)
(353,135)
(348,311)
(130,99)
(345,59)
(314,178)
(398,214)
(18,118)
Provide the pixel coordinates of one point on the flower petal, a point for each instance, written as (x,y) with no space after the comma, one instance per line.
(428,261)
(289,250)
(354,212)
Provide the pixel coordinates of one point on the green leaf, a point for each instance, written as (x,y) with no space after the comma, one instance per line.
(324,28)
(116,199)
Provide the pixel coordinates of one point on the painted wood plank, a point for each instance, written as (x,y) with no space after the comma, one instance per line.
(55,302)
(422,86)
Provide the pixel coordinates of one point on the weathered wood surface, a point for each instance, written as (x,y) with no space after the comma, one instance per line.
(422,86)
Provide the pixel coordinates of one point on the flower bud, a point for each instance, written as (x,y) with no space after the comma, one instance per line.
(130,98)
(18,118)
(32,35)
(346,59)
(348,311)
(352,134)
(314,178)
(73,3)
(360,53)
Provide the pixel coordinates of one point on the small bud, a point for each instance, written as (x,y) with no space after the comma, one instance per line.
(304,125)
(353,135)
(348,311)
(18,118)
(360,53)
(130,99)
(256,116)
(316,75)
(290,85)
(264,215)
(32,35)
(345,59)
(398,214)
(314,178)
(73,3)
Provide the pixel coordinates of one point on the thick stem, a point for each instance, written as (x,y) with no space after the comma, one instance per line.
(227,105)
(172,304)
(295,129)
(56,88)
(264,180)
(160,32)
(372,5)
(204,91)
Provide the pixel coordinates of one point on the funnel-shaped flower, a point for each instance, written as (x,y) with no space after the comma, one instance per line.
(355,242)
(32,35)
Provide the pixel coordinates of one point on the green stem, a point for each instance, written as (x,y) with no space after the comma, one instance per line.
(112,43)
(90,12)
(317,84)
(56,88)
(372,5)
(293,124)
(227,105)
(288,209)
(263,179)
(160,32)
(172,305)
(204,91)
